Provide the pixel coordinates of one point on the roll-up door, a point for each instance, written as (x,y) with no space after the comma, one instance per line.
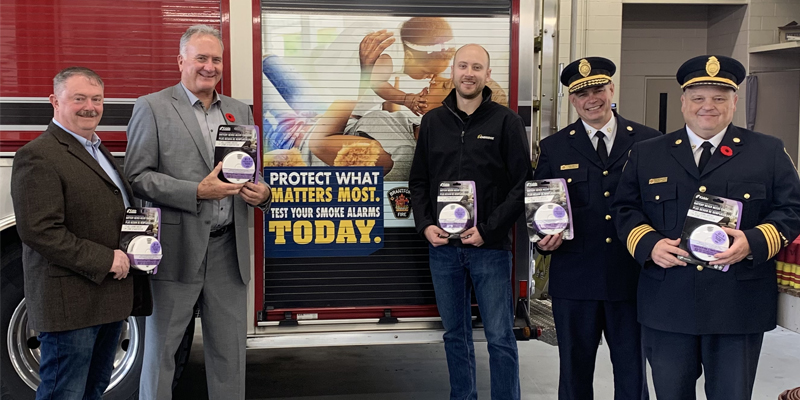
(312,82)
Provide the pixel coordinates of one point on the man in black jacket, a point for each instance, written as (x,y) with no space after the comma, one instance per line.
(473,138)
(592,277)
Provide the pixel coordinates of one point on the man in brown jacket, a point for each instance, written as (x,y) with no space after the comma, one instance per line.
(69,200)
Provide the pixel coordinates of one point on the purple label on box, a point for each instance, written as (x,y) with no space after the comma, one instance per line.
(247,162)
(719,237)
(234,174)
(696,248)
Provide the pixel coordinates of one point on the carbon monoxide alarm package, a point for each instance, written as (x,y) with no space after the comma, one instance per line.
(139,238)
(547,209)
(702,234)
(456,209)
(237,148)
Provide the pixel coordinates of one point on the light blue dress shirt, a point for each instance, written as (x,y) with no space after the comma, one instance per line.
(93,147)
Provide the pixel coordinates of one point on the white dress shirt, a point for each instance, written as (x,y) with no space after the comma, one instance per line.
(609,130)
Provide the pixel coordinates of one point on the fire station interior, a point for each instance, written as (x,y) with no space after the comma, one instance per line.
(647,39)
(655,40)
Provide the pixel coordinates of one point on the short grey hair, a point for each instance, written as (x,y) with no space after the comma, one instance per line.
(199,30)
(61,78)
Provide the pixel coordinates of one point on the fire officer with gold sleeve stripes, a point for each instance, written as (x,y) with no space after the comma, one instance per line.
(694,319)
(592,277)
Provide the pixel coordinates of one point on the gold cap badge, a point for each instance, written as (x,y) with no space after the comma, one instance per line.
(712,66)
(585,68)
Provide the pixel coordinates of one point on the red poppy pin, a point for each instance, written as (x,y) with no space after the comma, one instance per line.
(726,151)
(231,118)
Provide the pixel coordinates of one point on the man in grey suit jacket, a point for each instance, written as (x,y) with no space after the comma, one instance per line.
(69,200)
(204,230)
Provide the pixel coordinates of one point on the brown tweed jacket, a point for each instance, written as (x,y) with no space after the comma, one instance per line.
(69,214)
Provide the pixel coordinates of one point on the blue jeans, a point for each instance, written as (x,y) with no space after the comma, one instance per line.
(77,364)
(455,270)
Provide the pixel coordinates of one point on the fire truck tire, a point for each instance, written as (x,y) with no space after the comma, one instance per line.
(12,289)
(13,386)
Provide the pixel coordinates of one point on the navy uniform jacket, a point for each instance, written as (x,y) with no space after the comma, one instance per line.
(652,200)
(588,267)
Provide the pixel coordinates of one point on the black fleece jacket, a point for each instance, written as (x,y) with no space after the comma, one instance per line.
(489,147)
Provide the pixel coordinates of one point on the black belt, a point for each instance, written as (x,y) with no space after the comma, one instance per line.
(220,231)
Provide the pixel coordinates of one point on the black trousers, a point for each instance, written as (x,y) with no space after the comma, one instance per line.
(677,360)
(579,326)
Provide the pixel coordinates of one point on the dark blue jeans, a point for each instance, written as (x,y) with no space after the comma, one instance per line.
(77,364)
(455,271)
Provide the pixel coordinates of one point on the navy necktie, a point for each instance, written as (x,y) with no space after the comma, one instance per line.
(704,156)
(602,151)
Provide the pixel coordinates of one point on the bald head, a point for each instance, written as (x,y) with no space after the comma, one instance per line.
(472,45)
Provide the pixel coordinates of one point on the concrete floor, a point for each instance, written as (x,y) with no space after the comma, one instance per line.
(419,372)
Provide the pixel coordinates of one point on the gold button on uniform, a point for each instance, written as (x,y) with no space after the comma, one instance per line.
(605,173)
(569,180)
(746,196)
(608,240)
(699,267)
(607,194)
(736,140)
(702,189)
(678,141)
(608,217)
(572,132)
(630,129)
(658,197)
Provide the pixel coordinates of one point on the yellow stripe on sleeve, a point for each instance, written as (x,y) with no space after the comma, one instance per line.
(773,238)
(636,235)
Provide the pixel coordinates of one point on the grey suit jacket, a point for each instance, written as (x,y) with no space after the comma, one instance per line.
(69,213)
(166,159)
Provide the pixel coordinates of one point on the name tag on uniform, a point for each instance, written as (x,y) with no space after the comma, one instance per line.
(658,180)
(569,166)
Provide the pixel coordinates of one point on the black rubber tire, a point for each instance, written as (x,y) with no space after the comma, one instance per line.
(12,289)
(182,355)
(128,388)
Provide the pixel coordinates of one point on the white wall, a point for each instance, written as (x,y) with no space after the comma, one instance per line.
(241,50)
(656,40)
(599,33)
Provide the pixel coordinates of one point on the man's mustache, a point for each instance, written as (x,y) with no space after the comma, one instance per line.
(88,113)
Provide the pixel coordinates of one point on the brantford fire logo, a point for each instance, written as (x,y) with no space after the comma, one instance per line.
(400,199)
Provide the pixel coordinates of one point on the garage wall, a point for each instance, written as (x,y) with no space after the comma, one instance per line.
(599,28)
(656,40)
(728,36)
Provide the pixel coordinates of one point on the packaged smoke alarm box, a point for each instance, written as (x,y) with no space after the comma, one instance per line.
(139,238)
(547,209)
(238,148)
(455,207)
(702,234)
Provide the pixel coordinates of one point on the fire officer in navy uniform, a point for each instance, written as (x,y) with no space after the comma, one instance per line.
(694,319)
(592,277)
